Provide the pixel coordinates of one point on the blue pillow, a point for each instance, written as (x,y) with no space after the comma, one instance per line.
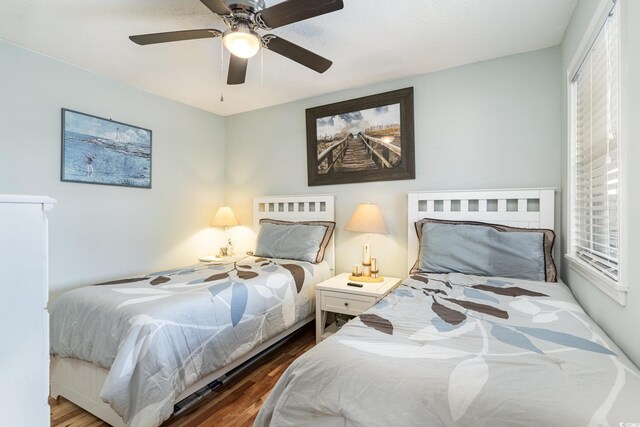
(304,241)
(482,250)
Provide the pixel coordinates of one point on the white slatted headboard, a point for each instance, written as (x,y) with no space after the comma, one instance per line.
(529,208)
(298,208)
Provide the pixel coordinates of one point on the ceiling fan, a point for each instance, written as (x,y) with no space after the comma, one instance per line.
(244,18)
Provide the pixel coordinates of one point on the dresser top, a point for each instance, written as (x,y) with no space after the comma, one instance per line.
(17,198)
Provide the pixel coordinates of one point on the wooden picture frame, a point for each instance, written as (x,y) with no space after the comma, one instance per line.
(102,151)
(362,140)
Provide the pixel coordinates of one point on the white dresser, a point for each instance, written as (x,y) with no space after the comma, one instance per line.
(24,320)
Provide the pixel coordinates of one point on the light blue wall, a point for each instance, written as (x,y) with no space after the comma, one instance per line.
(100,232)
(494,124)
(621,323)
(500,123)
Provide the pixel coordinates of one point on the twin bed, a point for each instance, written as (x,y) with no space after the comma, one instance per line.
(444,348)
(129,350)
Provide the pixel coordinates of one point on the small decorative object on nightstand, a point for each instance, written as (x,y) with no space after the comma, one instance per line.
(356,271)
(337,296)
(374,268)
(225,217)
(367,218)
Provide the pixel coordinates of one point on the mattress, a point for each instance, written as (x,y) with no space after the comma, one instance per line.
(159,333)
(463,350)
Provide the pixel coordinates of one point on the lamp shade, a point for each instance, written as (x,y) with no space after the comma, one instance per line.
(224,217)
(367,218)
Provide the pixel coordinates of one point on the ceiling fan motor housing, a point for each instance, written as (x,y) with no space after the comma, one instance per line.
(244,12)
(249,5)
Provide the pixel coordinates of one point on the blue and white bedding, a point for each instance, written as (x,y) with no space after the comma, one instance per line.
(159,333)
(463,350)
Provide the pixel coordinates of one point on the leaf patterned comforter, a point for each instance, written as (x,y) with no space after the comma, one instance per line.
(158,334)
(462,350)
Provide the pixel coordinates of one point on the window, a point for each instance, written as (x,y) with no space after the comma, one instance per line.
(595,153)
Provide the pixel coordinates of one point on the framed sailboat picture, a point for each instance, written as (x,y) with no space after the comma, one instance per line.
(103,151)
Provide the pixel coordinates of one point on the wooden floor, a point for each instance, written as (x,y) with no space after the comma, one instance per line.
(235,403)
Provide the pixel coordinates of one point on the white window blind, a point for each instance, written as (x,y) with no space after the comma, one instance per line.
(596,228)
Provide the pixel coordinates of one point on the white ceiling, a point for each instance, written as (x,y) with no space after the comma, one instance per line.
(369,41)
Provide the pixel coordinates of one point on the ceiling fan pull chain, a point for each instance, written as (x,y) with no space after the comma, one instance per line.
(262,76)
(221,71)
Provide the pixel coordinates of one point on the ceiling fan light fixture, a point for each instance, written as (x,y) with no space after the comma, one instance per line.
(242,42)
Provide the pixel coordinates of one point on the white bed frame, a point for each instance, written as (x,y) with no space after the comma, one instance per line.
(81,382)
(528,208)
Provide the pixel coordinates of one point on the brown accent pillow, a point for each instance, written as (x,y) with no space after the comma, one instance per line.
(551,274)
(322,249)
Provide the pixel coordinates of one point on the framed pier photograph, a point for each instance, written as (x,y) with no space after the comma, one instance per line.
(102,151)
(362,140)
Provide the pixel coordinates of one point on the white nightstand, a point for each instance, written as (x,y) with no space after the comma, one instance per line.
(334,295)
(209,258)
(228,258)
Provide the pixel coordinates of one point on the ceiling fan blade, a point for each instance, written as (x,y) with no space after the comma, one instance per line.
(217,6)
(291,11)
(237,70)
(174,36)
(296,53)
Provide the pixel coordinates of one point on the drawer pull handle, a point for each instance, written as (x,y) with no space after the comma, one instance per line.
(346,304)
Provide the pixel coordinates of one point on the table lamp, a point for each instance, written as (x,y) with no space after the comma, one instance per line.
(367,218)
(225,217)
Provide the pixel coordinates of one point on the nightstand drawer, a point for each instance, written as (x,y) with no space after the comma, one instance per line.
(338,302)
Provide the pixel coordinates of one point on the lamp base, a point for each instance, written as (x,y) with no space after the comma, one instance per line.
(365,279)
